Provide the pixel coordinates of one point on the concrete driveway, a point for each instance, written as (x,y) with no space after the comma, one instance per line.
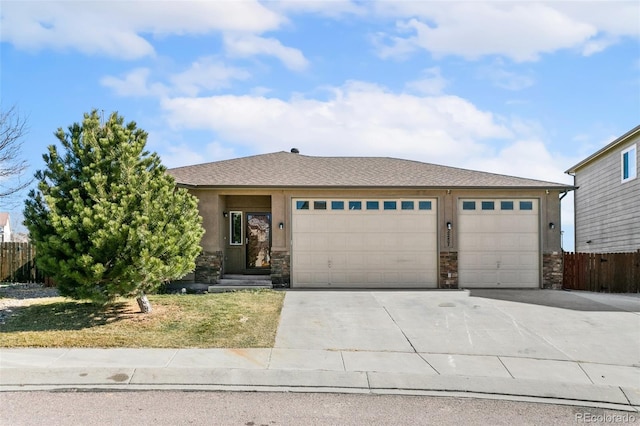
(460,325)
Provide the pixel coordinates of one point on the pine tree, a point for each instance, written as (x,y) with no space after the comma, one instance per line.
(106,219)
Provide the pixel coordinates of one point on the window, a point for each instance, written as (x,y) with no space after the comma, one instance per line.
(407,205)
(390,205)
(319,205)
(373,205)
(235,229)
(488,205)
(355,205)
(629,164)
(424,205)
(506,205)
(302,205)
(526,205)
(468,205)
(337,205)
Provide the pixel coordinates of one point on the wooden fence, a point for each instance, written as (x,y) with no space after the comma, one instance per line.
(17,263)
(602,272)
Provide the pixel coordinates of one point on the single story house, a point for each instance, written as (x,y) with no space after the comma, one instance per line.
(607,197)
(370,222)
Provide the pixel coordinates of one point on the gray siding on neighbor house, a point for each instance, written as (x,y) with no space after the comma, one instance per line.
(607,211)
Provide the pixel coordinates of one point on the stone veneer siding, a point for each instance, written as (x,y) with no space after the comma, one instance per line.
(448,265)
(208,267)
(280,269)
(552,270)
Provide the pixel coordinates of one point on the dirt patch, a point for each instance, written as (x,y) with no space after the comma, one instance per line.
(16,295)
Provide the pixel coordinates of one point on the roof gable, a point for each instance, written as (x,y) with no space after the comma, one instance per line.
(618,141)
(284,169)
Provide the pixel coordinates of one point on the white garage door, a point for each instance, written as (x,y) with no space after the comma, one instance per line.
(367,243)
(499,243)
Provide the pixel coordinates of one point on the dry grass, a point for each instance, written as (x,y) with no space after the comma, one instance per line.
(244,319)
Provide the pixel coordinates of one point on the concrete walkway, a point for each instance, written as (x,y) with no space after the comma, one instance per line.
(561,347)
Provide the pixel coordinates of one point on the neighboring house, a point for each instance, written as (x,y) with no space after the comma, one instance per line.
(5,228)
(607,197)
(371,222)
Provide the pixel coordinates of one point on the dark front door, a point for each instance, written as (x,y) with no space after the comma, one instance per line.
(258,240)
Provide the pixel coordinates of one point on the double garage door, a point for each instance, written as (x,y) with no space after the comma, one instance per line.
(393,243)
(370,243)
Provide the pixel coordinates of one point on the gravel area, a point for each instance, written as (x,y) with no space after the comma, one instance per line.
(16,295)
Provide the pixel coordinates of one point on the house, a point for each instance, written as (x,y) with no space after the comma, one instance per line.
(346,222)
(607,197)
(5,227)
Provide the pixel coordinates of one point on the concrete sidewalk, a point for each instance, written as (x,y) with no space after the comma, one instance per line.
(452,343)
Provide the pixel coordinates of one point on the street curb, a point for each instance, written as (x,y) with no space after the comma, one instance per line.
(211,379)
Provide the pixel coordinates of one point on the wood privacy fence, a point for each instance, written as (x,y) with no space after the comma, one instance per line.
(602,272)
(17,263)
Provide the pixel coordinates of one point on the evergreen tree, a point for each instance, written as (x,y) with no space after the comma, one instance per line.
(107,219)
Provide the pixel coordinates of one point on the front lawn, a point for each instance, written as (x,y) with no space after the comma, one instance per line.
(243,319)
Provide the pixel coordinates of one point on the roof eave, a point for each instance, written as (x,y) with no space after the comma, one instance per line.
(553,187)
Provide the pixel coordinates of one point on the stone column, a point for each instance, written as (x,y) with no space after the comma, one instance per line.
(448,269)
(280,269)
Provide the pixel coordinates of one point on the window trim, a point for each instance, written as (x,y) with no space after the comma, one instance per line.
(233,214)
(631,164)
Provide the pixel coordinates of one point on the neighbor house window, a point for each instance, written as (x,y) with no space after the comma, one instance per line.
(629,164)
(235,228)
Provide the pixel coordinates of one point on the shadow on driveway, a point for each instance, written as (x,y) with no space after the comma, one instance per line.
(577,301)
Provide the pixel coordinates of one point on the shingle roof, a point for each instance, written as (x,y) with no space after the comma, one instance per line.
(284,169)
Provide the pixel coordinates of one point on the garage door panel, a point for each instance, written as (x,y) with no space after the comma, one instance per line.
(385,248)
(499,248)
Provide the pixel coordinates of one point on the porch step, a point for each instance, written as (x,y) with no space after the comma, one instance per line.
(241,282)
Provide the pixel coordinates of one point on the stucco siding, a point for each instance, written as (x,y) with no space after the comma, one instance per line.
(607,210)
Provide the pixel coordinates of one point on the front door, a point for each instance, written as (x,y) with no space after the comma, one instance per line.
(258,240)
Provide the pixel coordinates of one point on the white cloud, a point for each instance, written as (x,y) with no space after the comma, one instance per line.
(116,28)
(250,45)
(357,119)
(134,84)
(433,83)
(499,76)
(521,31)
(205,74)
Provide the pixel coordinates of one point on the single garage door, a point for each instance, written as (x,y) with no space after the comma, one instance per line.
(499,243)
(370,243)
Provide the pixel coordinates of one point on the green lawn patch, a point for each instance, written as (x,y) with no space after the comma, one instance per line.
(243,319)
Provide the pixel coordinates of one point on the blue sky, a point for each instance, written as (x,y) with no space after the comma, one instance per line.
(520,88)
